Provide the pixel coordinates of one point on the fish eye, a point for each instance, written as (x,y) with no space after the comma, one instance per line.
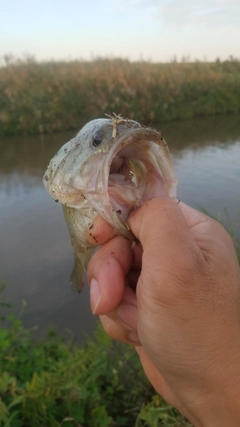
(97,139)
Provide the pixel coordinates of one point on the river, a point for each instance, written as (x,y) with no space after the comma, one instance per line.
(35,253)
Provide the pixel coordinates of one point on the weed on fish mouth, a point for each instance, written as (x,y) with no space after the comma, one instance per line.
(116,120)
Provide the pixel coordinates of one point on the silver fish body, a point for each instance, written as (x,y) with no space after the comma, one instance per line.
(112,166)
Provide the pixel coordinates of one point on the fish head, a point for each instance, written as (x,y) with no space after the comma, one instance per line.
(113,165)
(73,167)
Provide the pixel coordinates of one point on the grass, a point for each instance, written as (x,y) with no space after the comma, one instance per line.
(56,96)
(50,383)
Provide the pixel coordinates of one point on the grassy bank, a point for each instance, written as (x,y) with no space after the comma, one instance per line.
(53,384)
(56,96)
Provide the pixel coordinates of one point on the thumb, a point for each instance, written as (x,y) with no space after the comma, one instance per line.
(169,248)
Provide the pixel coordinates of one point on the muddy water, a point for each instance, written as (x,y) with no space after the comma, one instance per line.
(35,252)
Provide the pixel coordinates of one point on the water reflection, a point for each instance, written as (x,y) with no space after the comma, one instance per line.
(35,251)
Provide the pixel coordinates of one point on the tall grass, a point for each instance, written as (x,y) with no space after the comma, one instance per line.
(54,96)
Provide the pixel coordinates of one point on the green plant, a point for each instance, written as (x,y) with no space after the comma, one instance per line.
(50,383)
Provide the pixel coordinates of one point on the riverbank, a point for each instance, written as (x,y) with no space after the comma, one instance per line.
(58,96)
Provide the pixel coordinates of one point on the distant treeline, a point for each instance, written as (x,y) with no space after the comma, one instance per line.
(56,96)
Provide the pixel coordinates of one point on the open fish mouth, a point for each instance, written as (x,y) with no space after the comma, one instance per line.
(136,168)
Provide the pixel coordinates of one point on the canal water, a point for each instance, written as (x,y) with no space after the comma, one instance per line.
(35,252)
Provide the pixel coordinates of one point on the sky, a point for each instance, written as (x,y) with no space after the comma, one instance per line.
(155,30)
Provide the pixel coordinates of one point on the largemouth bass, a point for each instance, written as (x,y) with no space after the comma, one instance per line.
(112,166)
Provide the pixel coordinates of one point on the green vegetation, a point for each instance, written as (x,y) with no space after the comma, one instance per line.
(50,383)
(56,96)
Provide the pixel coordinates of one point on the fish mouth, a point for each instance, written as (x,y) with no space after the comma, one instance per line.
(137,168)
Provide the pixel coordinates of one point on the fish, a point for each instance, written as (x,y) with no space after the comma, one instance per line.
(111,167)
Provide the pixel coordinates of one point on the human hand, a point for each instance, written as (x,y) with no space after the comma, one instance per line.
(184,317)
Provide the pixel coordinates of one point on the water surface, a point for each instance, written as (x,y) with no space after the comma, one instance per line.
(35,252)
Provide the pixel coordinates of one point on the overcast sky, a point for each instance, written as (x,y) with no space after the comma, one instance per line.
(158,30)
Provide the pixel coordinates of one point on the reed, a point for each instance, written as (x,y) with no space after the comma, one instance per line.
(56,96)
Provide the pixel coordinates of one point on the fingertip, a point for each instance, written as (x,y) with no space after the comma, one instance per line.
(154,211)
(100,231)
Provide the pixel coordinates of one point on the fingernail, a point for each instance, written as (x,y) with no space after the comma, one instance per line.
(95,295)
